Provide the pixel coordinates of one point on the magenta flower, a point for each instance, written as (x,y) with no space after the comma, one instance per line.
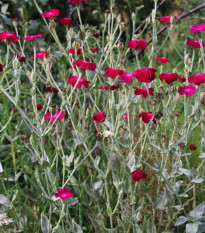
(194,43)
(137,175)
(197,28)
(20,57)
(125,117)
(65,21)
(147,116)
(126,77)
(41,54)
(51,13)
(182,78)
(113,72)
(9,36)
(167,19)
(99,117)
(52,89)
(73,80)
(72,51)
(146,75)
(168,77)
(84,65)
(143,91)
(141,44)
(58,116)
(94,50)
(39,106)
(63,193)
(96,35)
(197,79)
(33,37)
(187,90)
(162,59)
(105,88)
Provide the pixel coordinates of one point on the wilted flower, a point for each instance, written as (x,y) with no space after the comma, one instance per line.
(187,90)
(33,37)
(142,44)
(59,116)
(41,54)
(137,175)
(65,21)
(63,193)
(147,116)
(1,67)
(192,147)
(72,51)
(52,89)
(162,59)
(143,91)
(197,79)
(99,117)
(20,57)
(51,13)
(197,28)
(167,19)
(9,36)
(73,79)
(113,72)
(39,106)
(105,88)
(145,75)
(96,34)
(168,77)
(194,43)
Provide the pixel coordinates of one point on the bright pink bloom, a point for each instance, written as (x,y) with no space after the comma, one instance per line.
(65,21)
(63,193)
(126,77)
(125,117)
(182,78)
(84,65)
(192,147)
(195,43)
(59,116)
(197,79)
(52,89)
(39,106)
(1,67)
(197,28)
(147,116)
(143,91)
(162,59)
(142,44)
(73,79)
(51,13)
(96,35)
(113,72)
(187,90)
(99,117)
(76,116)
(168,77)
(167,19)
(137,175)
(77,1)
(94,50)
(20,57)
(9,36)
(32,37)
(105,88)
(41,54)
(72,51)
(146,75)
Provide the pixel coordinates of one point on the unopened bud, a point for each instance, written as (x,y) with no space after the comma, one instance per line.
(76,45)
(133,16)
(81,35)
(120,46)
(52,24)
(148,20)
(70,32)
(119,19)
(202,95)
(113,8)
(88,33)
(203,101)
(15,63)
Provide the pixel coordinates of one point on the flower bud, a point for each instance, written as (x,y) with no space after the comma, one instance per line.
(76,45)
(119,19)
(81,35)
(70,32)
(133,16)
(148,20)
(120,46)
(113,8)
(52,24)
(15,63)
